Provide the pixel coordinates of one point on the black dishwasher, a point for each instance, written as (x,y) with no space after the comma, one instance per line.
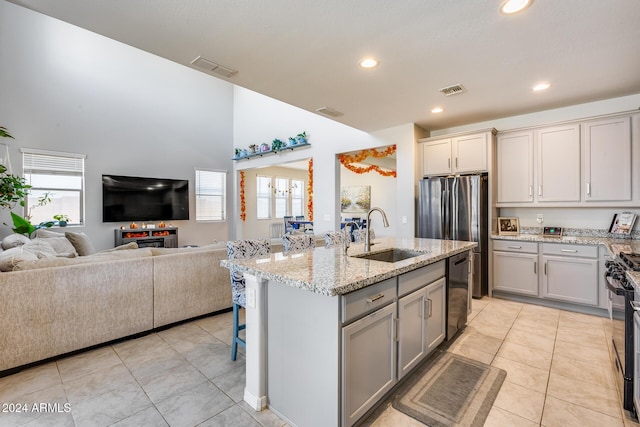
(457,292)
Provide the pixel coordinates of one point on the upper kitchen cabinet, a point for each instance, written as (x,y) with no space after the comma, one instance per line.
(456,154)
(515,167)
(558,163)
(607,160)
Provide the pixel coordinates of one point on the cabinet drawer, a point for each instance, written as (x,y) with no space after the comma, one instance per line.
(515,246)
(570,250)
(412,280)
(363,301)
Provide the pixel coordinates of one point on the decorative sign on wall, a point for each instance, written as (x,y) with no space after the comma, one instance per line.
(355,199)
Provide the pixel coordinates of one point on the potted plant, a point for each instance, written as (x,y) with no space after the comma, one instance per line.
(264,147)
(277,145)
(292,141)
(301,138)
(62,219)
(253,148)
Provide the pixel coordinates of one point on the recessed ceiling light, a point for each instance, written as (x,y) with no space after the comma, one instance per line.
(509,7)
(541,86)
(437,110)
(369,63)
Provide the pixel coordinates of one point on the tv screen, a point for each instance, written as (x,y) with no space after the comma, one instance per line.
(128,198)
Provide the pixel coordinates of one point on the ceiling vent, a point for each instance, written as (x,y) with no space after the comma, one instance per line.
(212,67)
(452,90)
(327,111)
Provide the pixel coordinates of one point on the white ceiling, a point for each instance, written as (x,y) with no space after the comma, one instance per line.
(306,53)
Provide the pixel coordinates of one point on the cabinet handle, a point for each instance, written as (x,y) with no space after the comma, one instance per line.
(449,163)
(531,191)
(514,247)
(569,250)
(535,267)
(539,190)
(427,308)
(588,189)
(375,298)
(394,328)
(430,307)
(545,268)
(456,163)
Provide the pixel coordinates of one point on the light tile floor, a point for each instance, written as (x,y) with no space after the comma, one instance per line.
(558,374)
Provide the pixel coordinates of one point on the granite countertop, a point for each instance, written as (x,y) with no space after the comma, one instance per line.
(328,272)
(613,245)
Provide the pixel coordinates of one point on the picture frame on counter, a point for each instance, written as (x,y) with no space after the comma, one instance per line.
(622,223)
(508,226)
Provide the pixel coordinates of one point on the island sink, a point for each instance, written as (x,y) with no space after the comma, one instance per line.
(391,255)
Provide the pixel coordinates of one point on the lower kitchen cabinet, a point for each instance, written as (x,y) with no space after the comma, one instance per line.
(572,280)
(515,272)
(421,324)
(369,362)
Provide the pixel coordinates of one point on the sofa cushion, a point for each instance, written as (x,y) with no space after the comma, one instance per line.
(168,251)
(14,240)
(99,257)
(126,246)
(60,243)
(81,242)
(10,259)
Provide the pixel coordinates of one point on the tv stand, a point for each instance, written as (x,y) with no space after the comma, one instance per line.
(148,237)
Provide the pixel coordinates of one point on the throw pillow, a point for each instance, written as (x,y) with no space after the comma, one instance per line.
(60,244)
(81,242)
(14,240)
(10,258)
(40,248)
(126,246)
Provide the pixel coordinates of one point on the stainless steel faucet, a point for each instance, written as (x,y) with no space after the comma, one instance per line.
(367,232)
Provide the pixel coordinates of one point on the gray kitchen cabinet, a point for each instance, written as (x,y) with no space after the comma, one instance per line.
(515,167)
(457,154)
(368,362)
(607,159)
(558,163)
(515,267)
(570,273)
(421,324)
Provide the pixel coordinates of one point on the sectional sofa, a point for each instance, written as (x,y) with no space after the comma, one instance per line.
(55,304)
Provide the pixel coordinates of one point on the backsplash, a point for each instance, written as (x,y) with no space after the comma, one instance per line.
(584,232)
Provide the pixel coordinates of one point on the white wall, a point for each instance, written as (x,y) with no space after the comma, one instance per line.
(132,113)
(258,119)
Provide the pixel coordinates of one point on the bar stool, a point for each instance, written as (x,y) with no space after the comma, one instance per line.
(332,238)
(242,249)
(298,242)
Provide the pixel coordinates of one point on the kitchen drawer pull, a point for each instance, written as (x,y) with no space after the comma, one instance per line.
(514,247)
(574,251)
(375,298)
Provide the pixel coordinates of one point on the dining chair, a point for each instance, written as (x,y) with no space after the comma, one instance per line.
(298,242)
(242,249)
(288,227)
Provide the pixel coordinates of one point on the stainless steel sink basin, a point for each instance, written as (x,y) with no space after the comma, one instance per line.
(390,255)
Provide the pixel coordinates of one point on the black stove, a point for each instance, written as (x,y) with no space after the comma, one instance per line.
(621,293)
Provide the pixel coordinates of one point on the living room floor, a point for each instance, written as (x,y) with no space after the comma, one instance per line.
(558,374)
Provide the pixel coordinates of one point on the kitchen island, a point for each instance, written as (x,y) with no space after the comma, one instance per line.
(326,338)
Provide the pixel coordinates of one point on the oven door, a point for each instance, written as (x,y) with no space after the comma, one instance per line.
(636,353)
(617,314)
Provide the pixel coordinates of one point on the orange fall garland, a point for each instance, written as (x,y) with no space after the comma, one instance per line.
(346,160)
(243,206)
(310,191)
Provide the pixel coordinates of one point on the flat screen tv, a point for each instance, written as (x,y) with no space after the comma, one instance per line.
(129,198)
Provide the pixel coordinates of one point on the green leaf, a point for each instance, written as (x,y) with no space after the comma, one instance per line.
(21,225)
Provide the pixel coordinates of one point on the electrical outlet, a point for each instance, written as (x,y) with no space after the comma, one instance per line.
(540,218)
(404,219)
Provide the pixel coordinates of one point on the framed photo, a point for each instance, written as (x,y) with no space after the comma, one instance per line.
(508,226)
(622,223)
(355,199)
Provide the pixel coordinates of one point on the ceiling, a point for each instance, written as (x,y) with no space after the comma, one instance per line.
(306,53)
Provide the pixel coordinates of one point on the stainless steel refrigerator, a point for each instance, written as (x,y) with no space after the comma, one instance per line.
(456,208)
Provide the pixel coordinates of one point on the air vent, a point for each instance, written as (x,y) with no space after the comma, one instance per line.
(212,67)
(327,111)
(452,90)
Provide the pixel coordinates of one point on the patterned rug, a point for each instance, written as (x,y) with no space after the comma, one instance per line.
(450,390)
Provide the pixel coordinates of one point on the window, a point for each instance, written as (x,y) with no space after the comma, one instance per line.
(210,195)
(282,197)
(263,193)
(57,185)
(297,199)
